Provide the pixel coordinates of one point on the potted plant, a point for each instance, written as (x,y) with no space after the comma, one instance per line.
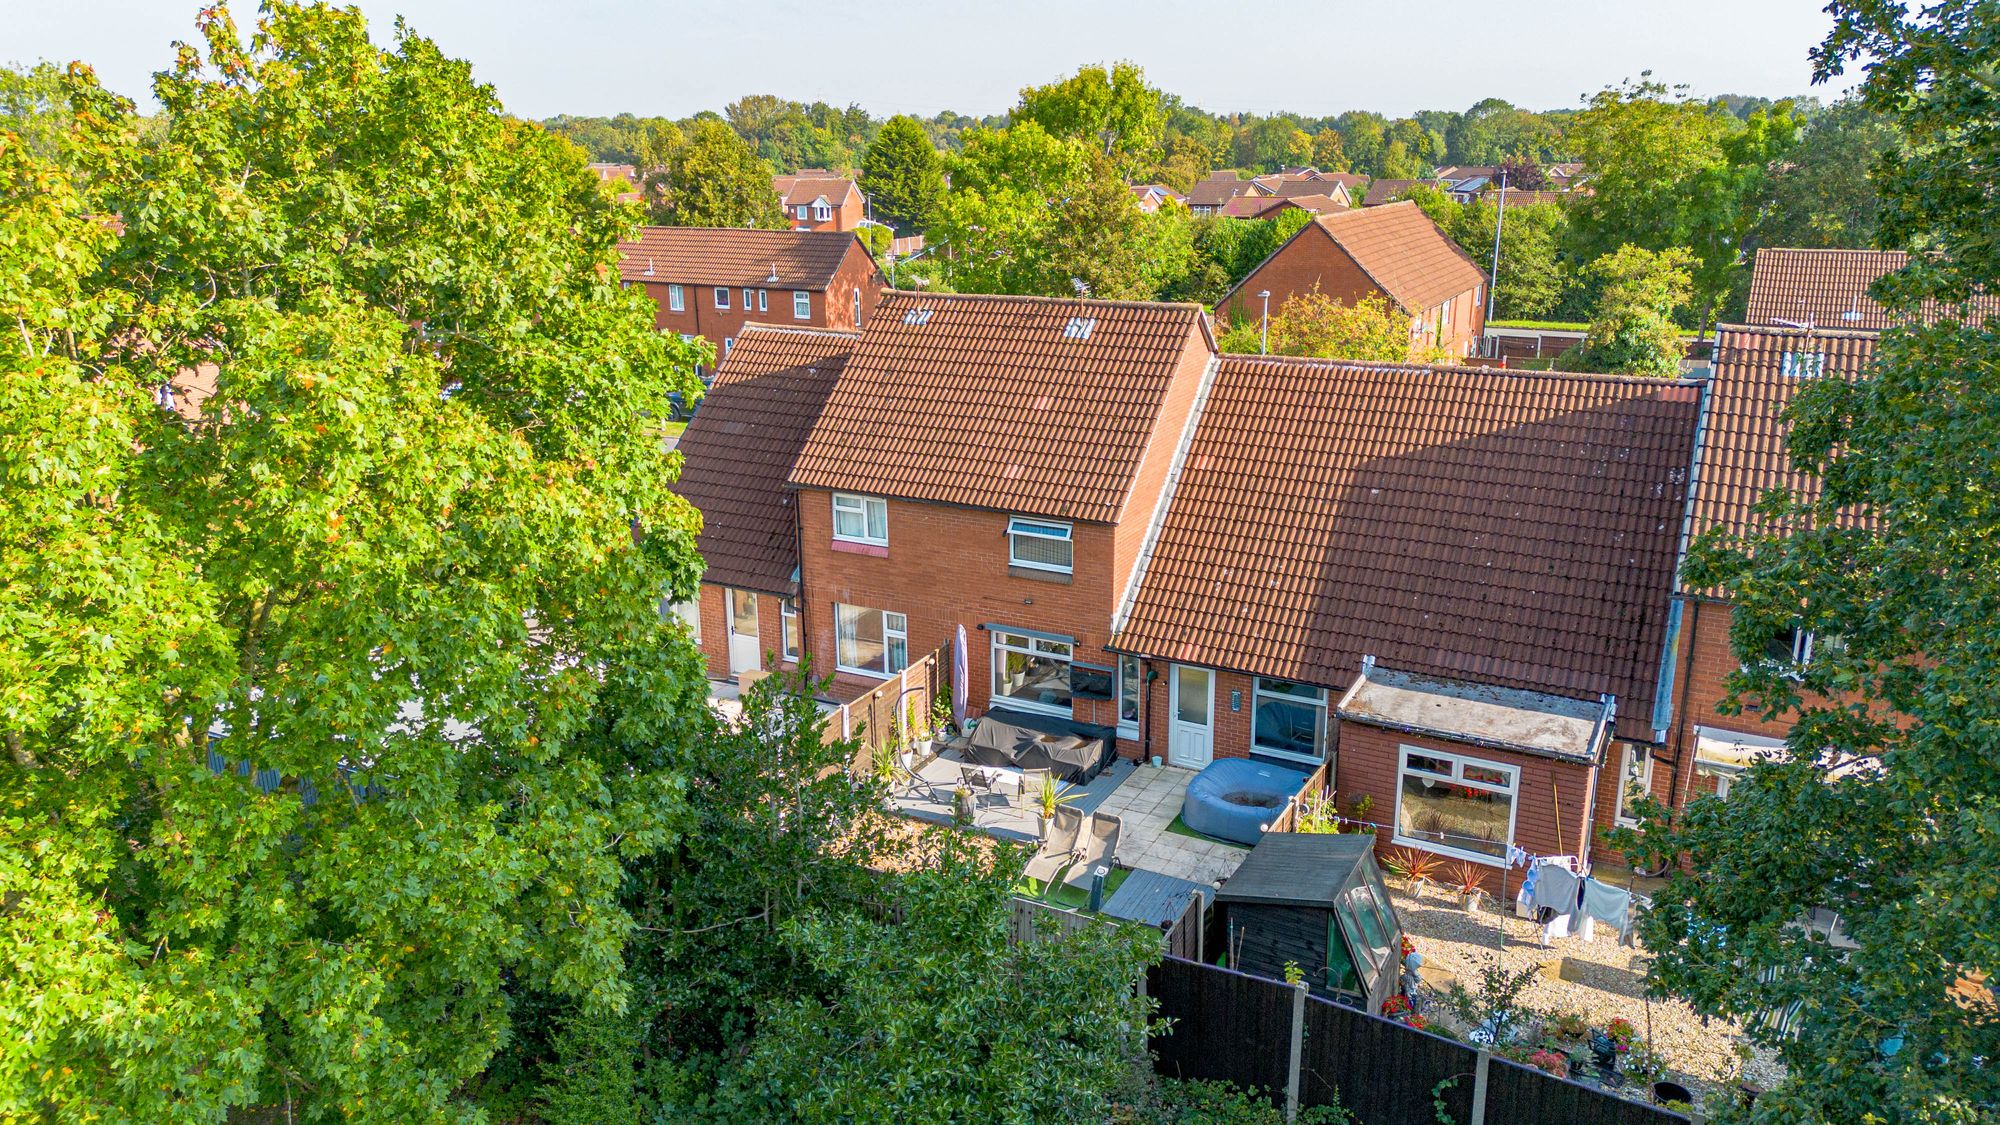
(941,713)
(916,726)
(1468,883)
(1051,796)
(963,806)
(1568,1026)
(1421,868)
(1552,1062)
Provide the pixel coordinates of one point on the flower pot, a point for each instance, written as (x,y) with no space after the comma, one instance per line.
(1041,827)
(966,806)
(1469,902)
(1664,1092)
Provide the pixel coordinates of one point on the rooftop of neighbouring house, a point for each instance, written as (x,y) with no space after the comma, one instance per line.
(1757,372)
(1829,289)
(733,256)
(740,447)
(1508,528)
(809,185)
(1400,249)
(1034,405)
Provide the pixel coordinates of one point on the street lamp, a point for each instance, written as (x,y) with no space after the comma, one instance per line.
(1264,331)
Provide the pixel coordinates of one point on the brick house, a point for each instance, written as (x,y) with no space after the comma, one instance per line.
(1393,251)
(993,464)
(1269,206)
(1457,584)
(712,281)
(738,451)
(1344,188)
(816,199)
(1208,195)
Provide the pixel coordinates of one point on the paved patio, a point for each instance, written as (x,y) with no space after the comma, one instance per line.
(1144,798)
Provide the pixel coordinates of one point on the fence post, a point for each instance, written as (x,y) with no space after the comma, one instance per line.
(1298,1052)
(1479,1070)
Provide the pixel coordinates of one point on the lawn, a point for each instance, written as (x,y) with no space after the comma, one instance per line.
(1545,325)
(1179,828)
(1076,898)
(676,429)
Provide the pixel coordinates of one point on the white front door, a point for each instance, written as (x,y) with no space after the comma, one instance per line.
(1191,734)
(745,651)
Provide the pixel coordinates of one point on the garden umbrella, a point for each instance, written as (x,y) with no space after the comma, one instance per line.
(959,685)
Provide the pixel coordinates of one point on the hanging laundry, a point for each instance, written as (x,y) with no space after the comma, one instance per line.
(1609,905)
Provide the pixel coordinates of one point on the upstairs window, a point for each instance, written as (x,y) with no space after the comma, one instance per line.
(1040,545)
(748,297)
(861,519)
(857,308)
(763,299)
(676,299)
(721,297)
(822,212)
(802,305)
(802,211)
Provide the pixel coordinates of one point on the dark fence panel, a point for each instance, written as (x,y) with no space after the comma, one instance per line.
(1520,1093)
(1225,1025)
(1381,1070)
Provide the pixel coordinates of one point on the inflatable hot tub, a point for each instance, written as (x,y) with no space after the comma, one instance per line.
(1234,798)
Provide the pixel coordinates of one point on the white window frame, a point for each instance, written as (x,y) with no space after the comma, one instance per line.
(689,612)
(1644,781)
(722,297)
(1258,694)
(788,633)
(748,294)
(1022,527)
(676,299)
(1458,764)
(763,300)
(857,307)
(822,212)
(1803,643)
(1133,674)
(1041,648)
(802,305)
(803,210)
(854,504)
(895,627)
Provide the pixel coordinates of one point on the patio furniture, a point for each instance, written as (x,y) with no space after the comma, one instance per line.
(1059,850)
(978,782)
(1007,738)
(904,775)
(1031,787)
(1098,848)
(1234,798)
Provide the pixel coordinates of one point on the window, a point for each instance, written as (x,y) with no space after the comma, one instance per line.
(728,345)
(721,297)
(870,641)
(1289,720)
(1129,679)
(1793,648)
(1802,365)
(822,212)
(1079,328)
(1458,806)
(1039,545)
(1031,672)
(763,300)
(789,610)
(857,308)
(689,612)
(748,296)
(861,519)
(676,299)
(801,210)
(1444,316)
(802,305)
(1635,780)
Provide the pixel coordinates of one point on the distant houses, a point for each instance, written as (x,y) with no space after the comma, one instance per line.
(817,199)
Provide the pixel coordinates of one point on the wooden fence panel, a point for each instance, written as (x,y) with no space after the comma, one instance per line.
(1383,1072)
(1316,786)
(1223,1025)
(1521,1093)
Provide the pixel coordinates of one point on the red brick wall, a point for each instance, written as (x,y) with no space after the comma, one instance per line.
(846,216)
(715,631)
(947,566)
(1231,729)
(1313,258)
(1158,457)
(1552,800)
(833,308)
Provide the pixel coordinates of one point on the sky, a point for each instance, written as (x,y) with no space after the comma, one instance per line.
(1313,57)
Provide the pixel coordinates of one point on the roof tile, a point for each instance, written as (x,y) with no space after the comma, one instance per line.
(800,259)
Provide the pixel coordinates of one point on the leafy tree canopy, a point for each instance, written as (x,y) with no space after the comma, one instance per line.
(903,174)
(1113,108)
(710,178)
(1632,330)
(1314,324)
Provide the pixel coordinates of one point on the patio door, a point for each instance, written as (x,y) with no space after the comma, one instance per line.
(744,639)
(1191,733)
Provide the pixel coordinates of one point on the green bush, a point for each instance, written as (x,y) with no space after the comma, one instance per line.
(1222,1103)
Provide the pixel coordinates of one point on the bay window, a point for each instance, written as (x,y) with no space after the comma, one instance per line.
(1031,672)
(872,642)
(1289,720)
(1455,805)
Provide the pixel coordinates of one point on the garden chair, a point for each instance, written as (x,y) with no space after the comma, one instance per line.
(905,777)
(976,781)
(1059,850)
(1098,848)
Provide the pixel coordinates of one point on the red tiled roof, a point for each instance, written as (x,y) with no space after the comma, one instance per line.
(741,444)
(1218,189)
(990,402)
(1743,452)
(1509,528)
(1386,191)
(812,183)
(801,259)
(1829,288)
(1400,249)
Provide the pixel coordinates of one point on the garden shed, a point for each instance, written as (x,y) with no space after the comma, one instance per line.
(1317,901)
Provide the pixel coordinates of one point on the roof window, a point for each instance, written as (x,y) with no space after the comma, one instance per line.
(1079,328)
(917,316)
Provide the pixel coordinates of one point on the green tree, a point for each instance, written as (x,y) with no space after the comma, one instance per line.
(1668,171)
(903,175)
(1533,275)
(1895,559)
(1328,155)
(1632,329)
(1365,136)
(389,565)
(1824,195)
(1314,324)
(713,178)
(1115,110)
(1009,191)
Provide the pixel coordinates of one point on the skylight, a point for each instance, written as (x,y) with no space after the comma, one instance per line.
(1079,328)
(917,316)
